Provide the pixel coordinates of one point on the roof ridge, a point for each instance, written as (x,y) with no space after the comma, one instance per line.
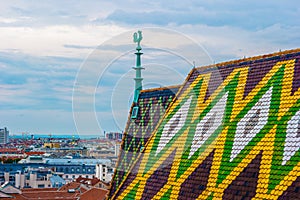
(257,57)
(160,88)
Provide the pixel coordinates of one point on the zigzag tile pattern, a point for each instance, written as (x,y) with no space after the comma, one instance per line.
(238,123)
(152,105)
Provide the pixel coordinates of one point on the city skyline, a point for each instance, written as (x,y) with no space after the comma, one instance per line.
(44,45)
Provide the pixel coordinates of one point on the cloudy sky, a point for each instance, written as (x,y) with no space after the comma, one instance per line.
(66,66)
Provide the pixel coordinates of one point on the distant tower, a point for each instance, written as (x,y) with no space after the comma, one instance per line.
(137,37)
(4,135)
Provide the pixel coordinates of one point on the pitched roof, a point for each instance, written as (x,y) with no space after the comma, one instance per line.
(30,153)
(93,194)
(38,189)
(232,132)
(68,186)
(45,194)
(49,195)
(18,197)
(4,195)
(87,181)
(10,150)
(152,104)
(55,179)
(72,191)
(8,188)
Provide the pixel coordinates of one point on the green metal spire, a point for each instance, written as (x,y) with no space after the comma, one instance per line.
(137,38)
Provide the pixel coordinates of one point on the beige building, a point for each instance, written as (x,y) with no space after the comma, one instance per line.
(51,145)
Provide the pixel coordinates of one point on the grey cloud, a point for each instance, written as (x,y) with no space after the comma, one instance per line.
(254,16)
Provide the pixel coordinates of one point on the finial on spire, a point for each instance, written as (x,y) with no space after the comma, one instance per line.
(137,38)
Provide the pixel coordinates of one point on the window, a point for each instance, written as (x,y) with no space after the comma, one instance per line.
(134,112)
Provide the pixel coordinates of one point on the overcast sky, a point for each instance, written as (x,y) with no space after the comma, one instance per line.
(54,51)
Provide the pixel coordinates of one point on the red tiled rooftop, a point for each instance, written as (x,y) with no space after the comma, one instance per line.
(34,153)
(72,185)
(49,195)
(45,194)
(94,193)
(10,150)
(38,189)
(87,181)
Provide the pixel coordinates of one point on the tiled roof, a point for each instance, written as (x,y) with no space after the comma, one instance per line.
(49,195)
(10,150)
(4,195)
(71,191)
(94,193)
(18,197)
(152,105)
(34,153)
(68,186)
(9,188)
(87,181)
(38,189)
(76,161)
(233,132)
(45,194)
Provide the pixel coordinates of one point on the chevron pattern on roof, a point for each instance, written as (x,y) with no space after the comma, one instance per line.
(232,132)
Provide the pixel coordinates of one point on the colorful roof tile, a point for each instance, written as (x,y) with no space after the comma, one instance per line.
(233,132)
(151,105)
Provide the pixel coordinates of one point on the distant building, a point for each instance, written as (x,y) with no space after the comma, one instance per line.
(4,135)
(67,150)
(57,181)
(38,177)
(104,172)
(12,153)
(70,169)
(114,136)
(31,172)
(92,182)
(101,153)
(117,148)
(51,145)
(70,191)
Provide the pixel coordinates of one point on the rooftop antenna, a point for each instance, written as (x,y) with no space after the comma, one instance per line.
(137,38)
(194,65)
